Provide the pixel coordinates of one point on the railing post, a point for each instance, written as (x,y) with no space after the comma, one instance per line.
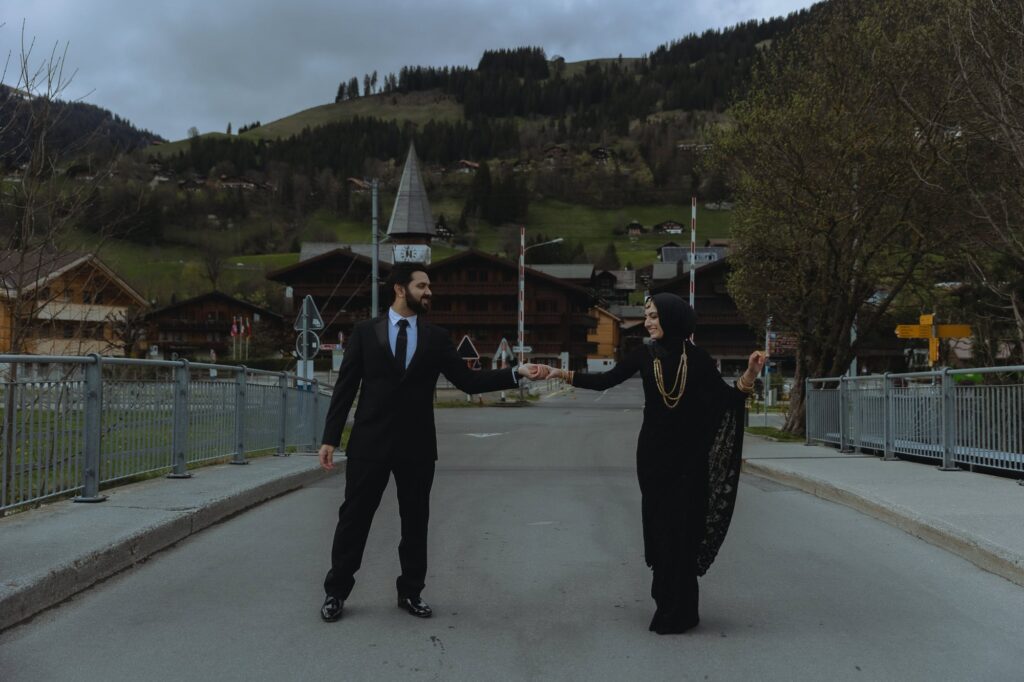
(887,420)
(948,422)
(807,411)
(93,431)
(314,416)
(179,430)
(239,456)
(282,432)
(844,426)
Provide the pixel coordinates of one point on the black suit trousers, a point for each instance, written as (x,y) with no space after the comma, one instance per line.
(365,481)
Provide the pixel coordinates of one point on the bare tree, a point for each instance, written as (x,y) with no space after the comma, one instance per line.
(213,264)
(987,41)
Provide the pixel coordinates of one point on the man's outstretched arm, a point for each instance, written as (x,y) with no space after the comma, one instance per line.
(483,381)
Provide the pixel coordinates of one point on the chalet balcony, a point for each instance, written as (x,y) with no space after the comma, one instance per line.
(442,289)
(79,312)
(187,325)
(452,318)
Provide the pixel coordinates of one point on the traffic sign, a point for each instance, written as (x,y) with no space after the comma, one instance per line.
(467,351)
(503,356)
(307,345)
(913,331)
(522,349)
(308,310)
(954,331)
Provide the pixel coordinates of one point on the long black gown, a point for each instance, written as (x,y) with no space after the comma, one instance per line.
(688,462)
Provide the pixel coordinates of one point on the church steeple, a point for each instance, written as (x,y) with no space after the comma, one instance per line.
(412,223)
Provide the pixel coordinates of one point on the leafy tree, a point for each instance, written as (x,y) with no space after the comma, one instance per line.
(838,186)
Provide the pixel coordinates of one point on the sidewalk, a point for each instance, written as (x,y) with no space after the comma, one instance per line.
(976,516)
(51,553)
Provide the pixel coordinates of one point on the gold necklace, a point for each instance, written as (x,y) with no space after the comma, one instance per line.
(670,397)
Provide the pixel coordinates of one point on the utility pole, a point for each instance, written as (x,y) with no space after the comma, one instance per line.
(767,346)
(375,257)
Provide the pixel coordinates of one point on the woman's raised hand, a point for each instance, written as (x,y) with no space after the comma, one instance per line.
(756,363)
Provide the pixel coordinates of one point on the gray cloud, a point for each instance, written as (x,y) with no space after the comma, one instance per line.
(167,66)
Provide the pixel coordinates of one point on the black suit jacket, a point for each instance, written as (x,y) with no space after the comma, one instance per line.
(395,415)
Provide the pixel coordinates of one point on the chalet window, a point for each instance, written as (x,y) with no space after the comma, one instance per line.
(471,276)
(483,276)
(69,331)
(86,296)
(546,305)
(97,333)
(44,293)
(508,276)
(255,317)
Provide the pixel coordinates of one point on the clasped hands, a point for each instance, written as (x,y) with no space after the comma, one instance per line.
(535,372)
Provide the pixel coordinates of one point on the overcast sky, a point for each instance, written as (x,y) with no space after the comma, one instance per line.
(167,66)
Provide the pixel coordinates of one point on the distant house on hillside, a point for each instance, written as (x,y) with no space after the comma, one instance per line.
(693,147)
(634,228)
(443,232)
(244,184)
(357,186)
(669,227)
(555,153)
(702,254)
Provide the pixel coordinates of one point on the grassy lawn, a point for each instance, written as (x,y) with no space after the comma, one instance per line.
(777,434)
(418,107)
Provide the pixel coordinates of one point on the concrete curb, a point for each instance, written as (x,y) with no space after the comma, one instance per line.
(59,583)
(983,554)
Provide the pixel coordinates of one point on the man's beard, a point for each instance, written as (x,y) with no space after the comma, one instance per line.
(420,306)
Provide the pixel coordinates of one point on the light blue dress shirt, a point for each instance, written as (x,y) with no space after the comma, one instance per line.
(411,333)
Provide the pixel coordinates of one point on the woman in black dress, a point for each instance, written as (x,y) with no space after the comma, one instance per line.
(687,456)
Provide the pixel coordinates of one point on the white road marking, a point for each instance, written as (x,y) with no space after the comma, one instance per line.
(485,435)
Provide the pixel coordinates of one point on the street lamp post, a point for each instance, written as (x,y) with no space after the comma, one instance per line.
(521,336)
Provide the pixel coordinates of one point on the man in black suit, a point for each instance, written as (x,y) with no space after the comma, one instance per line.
(396,359)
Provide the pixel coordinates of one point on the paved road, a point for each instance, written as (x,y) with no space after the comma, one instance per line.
(536,573)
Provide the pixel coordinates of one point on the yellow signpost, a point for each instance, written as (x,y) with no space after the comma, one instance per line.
(927,329)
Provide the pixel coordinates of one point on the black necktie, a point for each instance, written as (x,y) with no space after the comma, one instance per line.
(402,343)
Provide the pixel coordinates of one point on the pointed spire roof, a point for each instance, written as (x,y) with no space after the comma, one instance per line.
(411,214)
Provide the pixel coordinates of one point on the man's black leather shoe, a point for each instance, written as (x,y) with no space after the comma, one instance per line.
(415,606)
(331,610)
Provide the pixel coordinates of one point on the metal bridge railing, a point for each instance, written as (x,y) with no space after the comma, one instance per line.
(72,424)
(961,417)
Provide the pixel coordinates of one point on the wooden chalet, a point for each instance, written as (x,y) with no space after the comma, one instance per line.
(194,327)
(606,336)
(339,282)
(62,303)
(476,294)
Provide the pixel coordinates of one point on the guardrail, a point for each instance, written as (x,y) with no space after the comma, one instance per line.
(960,417)
(73,424)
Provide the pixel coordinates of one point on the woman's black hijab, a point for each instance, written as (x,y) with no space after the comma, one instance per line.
(678,322)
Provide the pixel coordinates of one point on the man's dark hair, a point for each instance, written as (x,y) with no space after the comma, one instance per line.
(401,273)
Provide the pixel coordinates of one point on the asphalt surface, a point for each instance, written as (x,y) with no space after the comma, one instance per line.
(536,573)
